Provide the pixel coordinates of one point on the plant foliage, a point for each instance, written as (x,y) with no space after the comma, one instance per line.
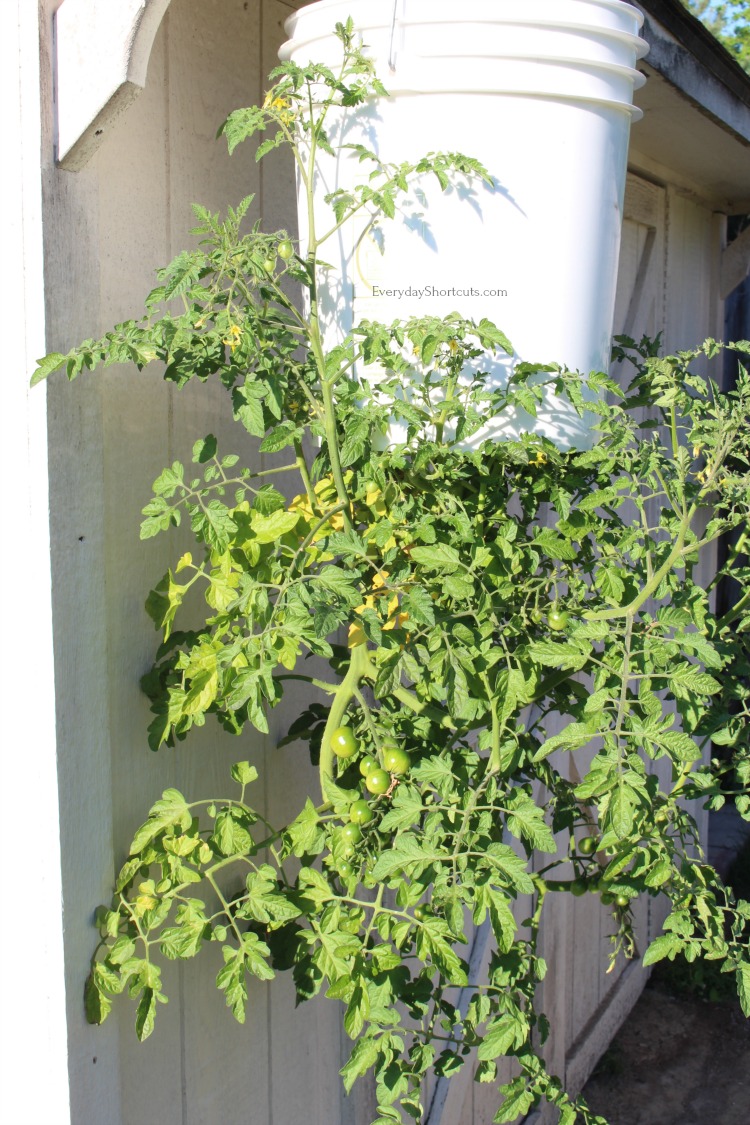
(528,625)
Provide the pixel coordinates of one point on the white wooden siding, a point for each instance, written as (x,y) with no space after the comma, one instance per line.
(113,223)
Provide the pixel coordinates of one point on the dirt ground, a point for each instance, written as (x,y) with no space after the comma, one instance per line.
(676,1061)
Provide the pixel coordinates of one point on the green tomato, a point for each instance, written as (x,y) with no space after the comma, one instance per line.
(378,781)
(537,616)
(607,899)
(343,742)
(345,869)
(558,619)
(361,813)
(351,834)
(269,264)
(367,764)
(622,901)
(579,887)
(422,912)
(396,760)
(285,249)
(587,845)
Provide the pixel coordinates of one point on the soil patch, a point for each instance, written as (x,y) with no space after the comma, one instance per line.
(676,1061)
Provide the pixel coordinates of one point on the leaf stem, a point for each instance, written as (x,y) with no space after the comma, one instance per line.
(343,697)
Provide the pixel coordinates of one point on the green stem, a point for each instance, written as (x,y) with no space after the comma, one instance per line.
(316,342)
(368,719)
(735,551)
(225,907)
(735,612)
(332,441)
(542,887)
(622,706)
(654,583)
(341,701)
(495,761)
(440,425)
(305,474)
(410,700)
(673,430)
(322,685)
(376,907)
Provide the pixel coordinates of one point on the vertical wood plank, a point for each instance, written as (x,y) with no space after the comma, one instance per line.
(691,308)
(131,173)
(213,68)
(32,953)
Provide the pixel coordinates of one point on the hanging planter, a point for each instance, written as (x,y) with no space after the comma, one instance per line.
(540,91)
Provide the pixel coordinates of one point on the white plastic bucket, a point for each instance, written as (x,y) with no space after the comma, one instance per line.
(540,91)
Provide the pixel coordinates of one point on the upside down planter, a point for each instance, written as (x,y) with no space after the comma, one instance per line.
(540,91)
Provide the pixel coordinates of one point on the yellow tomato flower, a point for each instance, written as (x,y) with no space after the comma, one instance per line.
(281,105)
(395,619)
(234,336)
(540,459)
(325,492)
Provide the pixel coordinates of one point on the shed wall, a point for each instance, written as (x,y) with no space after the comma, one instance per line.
(107,228)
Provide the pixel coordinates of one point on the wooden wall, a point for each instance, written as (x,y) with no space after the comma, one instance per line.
(668,283)
(107,228)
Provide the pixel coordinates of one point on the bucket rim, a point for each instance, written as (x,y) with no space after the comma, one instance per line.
(572,61)
(463,16)
(634,112)
(628,40)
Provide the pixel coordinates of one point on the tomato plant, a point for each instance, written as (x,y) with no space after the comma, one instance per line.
(415,572)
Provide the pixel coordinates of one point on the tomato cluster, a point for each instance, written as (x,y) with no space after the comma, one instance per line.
(378,780)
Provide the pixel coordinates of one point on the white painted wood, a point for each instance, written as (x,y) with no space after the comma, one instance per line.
(449,1093)
(126,213)
(735,263)
(639,308)
(603,1026)
(691,250)
(31,950)
(103,49)
(135,195)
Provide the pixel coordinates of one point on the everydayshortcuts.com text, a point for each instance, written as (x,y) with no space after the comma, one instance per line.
(434,291)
